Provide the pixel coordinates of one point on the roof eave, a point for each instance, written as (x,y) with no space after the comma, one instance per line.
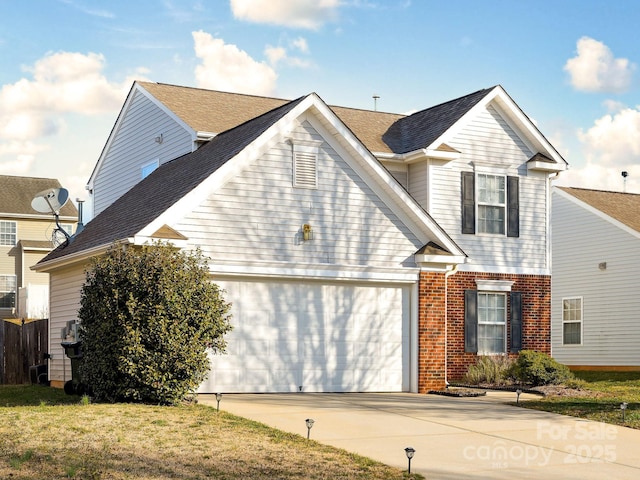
(417,155)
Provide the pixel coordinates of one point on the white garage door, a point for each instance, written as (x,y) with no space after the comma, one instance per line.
(313,337)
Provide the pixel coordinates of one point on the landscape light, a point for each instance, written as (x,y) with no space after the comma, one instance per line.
(410,452)
(218,398)
(623,407)
(518,393)
(309,422)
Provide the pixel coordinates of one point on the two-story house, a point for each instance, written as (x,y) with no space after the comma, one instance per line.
(25,238)
(361,250)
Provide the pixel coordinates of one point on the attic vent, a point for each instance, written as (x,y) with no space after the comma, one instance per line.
(305,164)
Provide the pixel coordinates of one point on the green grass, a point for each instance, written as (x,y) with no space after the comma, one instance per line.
(45,434)
(607,391)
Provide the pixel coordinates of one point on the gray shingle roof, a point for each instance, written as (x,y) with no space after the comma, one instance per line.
(16,194)
(167,184)
(623,207)
(422,128)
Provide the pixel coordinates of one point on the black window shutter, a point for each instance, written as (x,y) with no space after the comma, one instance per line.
(516,322)
(513,207)
(468,202)
(471,321)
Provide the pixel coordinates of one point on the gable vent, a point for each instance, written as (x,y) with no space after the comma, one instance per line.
(305,164)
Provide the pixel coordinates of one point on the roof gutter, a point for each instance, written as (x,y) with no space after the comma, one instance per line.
(77,257)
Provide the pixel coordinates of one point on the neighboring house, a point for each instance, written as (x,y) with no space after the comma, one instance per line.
(25,238)
(596,257)
(362,251)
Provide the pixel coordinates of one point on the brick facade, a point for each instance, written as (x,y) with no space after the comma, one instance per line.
(536,322)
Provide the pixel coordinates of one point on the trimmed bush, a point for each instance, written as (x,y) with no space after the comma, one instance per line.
(148,318)
(537,368)
(489,369)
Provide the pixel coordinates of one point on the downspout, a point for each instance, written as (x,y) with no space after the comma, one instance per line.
(446,321)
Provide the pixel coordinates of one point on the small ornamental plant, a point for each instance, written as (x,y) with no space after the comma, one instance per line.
(149,317)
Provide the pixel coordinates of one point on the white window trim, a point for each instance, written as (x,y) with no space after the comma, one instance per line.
(478,203)
(493,285)
(581,321)
(503,323)
(16,239)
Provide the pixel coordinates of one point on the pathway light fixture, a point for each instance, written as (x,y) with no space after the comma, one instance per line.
(309,422)
(410,452)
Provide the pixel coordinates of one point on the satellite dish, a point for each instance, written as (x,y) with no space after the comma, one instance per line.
(50,200)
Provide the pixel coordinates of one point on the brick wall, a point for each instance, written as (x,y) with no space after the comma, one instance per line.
(536,322)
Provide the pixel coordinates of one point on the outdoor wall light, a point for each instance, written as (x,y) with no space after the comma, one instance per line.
(623,407)
(218,398)
(307,232)
(410,452)
(309,422)
(518,393)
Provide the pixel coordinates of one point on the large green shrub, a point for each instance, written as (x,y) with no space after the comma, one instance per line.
(148,316)
(537,368)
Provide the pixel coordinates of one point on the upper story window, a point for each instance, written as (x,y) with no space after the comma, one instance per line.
(7,291)
(8,233)
(147,168)
(490,204)
(67,227)
(572,321)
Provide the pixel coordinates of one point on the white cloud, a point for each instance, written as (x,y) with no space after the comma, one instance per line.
(309,14)
(613,139)
(59,94)
(275,54)
(595,69)
(609,147)
(226,67)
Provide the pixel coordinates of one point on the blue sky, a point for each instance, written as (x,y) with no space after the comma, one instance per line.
(571,65)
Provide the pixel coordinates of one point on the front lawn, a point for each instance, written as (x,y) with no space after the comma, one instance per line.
(47,434)
(606,391)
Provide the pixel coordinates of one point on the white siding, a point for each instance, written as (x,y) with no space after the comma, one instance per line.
(488,139)
(259,215)
(133,146)
(419,183)
(611,330)
(65,288)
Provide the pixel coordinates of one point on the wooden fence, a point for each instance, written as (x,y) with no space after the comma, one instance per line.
(22,349)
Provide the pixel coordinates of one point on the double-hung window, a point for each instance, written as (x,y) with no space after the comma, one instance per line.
(493,317)
(8,233)
(572,321)
(492,323)
(7,291)
(491,203)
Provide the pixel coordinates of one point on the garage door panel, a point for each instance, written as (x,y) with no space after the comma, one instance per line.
(323,337)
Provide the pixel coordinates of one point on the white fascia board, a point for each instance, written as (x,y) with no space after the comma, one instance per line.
(386,187)
(146,240)
(519,122)
(439,259)
(74,258)
(417,155)
(316,272)
(594,211)
(546,166)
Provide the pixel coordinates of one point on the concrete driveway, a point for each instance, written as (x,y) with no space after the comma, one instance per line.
(454,438)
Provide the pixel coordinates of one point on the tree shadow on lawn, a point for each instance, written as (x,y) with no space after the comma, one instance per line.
(34,395)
